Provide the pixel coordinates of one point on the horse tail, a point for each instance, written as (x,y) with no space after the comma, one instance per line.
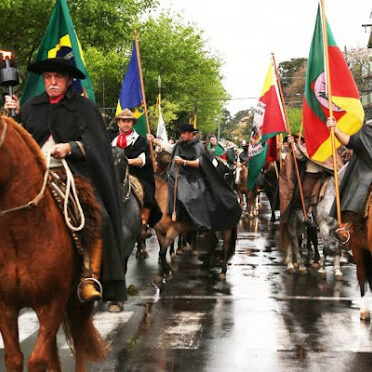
(81,335)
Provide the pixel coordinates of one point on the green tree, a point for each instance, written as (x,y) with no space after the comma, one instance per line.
(287,70)
(102,24)
(295,119)
(190,72)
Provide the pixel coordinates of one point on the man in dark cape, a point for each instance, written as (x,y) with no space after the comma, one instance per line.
(202,195)
(357,180)
(70,121)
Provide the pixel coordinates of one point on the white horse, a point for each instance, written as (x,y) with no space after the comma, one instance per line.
(327,226)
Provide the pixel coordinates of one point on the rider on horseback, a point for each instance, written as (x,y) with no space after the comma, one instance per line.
(70,127)
(313,177)
(356,183)
(140,166)
(197,192)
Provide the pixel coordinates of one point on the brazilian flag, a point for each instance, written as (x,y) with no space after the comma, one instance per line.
(60,40)
(131,94)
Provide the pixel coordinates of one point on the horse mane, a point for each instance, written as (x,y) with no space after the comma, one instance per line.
(28,139)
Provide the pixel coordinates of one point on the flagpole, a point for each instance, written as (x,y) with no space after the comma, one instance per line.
(329,93)
(159,94)
(292,144)
(144,99)
(300,136)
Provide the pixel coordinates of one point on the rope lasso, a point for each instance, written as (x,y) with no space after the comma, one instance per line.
(71,187)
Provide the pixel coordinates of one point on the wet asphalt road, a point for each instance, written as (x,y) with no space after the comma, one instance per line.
(260,319)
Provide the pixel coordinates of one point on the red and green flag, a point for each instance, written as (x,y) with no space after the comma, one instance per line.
(131,94)
(60,40)
(347,108)
(268,121)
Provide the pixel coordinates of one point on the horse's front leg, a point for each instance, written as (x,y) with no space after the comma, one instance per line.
(44,357)
(141,249)
(165,241)
(9,331)
(227,237)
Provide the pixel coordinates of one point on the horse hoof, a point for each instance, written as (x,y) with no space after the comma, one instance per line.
(295,265)
(179,252)
(302,270)
(194,252)
(174,257)
(365,315)
(315,265)
(290,268)
(221,277)
(338,275)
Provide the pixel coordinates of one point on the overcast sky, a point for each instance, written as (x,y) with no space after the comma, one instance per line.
(245,32)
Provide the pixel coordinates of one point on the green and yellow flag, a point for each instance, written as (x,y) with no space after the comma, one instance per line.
(60,40)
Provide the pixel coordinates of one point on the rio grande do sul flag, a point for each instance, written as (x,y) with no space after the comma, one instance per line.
(267,123)
(60,40)
(347,108)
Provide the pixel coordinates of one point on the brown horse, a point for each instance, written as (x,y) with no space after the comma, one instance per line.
(39,266)
(167,231)
(360,244)
(251,197)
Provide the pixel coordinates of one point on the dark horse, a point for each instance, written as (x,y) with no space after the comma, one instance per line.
(167,230)
(39,265)
(129,206)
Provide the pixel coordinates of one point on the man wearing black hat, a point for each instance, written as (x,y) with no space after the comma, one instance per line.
(202,196)
(70,127)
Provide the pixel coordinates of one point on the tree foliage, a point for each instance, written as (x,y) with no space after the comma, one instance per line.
(190,73)
(287,70)
(102,24)
(170,47)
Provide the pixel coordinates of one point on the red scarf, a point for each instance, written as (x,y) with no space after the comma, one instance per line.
(58,99)
(122,140)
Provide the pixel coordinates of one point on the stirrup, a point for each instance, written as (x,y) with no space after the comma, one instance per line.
(95,281)
(338,236)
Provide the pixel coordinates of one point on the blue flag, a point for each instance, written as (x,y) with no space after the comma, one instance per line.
(131,94)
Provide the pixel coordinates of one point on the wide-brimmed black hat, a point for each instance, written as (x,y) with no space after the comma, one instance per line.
(187,128)
(57,64)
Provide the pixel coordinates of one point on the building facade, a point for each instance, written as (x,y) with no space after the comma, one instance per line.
(367,75)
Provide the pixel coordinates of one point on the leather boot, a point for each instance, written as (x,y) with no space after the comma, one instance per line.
(145,215)
(90,289)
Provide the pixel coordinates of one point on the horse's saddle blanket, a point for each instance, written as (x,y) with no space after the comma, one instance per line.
(137,189)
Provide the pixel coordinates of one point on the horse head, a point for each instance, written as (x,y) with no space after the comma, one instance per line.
(120,162)
(163,160)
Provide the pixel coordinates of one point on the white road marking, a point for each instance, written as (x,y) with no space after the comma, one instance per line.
(105,323)
(237,297)
(182,332)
